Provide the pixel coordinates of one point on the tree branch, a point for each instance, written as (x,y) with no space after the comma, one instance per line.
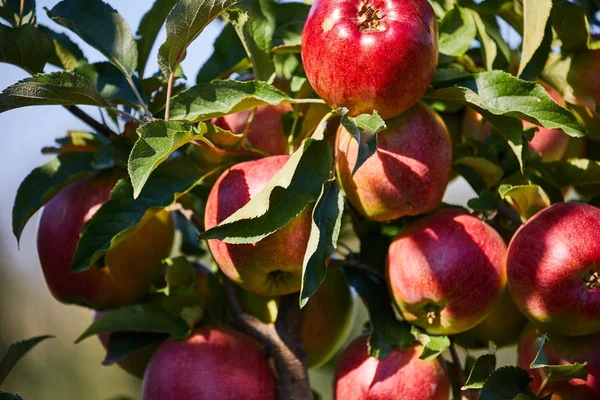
(357,265)
(457,374)
(99,127)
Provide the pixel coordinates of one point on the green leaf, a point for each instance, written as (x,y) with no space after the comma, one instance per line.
(110,82)
(100,26)
(556,373)
(15,352)
(527,200)
(184,23)
(571,172)
(367,125)
(218,98)
(180,277)
(58,88)
(506,383)
(288,193)
(158,140)
(44,182)
(388,332)
(571,26)
(433,346)
(488,45)
(68,55)
(145,317)
(536,14)
(9,396)
(487,170)
(483,368)
(114,220)
(10,10)
(457,32)
(148,30)
(123,344)
(445,77)
(228,54)
(26,47)
(324,233)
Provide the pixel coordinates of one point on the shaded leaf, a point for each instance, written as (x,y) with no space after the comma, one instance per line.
(26,47)
(571,26)
(15,352)
(228,55)
(571,172)
(482,369)
(9,396)
(10,10)
(110,82)
(527,200)
(148,30)
(433,346)
(491,173)
(506,383)
(68,55)
(123,344)
(536,14)
(556,373)
(488,45)
(364,130)
(457,32)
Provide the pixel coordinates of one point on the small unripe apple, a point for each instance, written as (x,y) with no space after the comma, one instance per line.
(129,269)
(373,55)
(560,350)
(401,375)
(553,270)
(273,266)
(502,326)
(407,174)
(447,271)
(213,363)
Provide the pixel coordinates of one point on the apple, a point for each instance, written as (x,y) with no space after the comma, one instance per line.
(475,127)
(560,350)
(447,271)
(328,316)
(584,77)
(370,55)
(401,375)
(406,175)
(502,326)
(213,363)
(273,266)
(129,269)
(552,268)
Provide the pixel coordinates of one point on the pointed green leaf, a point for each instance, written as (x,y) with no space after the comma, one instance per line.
(68,55)
(506,383)
(110,82)
(433,346)
(123,344)
(148,30)
(483,368)
(536,14)
(457,31)
(10,10)
(26,47)
(556,373)
(15,352)
(527,200)
(324,232)
(491,173)
(572,26)
(228,53)
(364,130)
(488,45)
(574,171)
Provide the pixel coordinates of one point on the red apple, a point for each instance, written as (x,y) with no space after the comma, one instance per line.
(408,173)
(553,271)
(214,363)
(370,55)
(273,266)
(129,269)
(447,271)
(560,350)
(401,375)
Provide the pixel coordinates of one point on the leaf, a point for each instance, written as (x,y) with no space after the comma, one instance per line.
(536,14)
(489,47)
(144,317)
(433,346)
(228,53)
(44,182)
(388,332)
(148,30)
(487,170)
(9,396)
(556,373)
(571,26)
(26,47)
(58,88)
(527,200)
(10,10)
(68,55)
(15,352)
(110,82)
(457,32)
(100,26)
(123,344)
(184,23)
(114,220)
(324,233)
(576,171)
(287,194)
(370,126)
(506,383)
(483,368)
(222,97)
(158,140)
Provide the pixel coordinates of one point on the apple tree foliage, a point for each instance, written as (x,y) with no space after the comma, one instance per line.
(158,128)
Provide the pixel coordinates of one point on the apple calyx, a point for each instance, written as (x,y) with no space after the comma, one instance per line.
(591,280)
(369,19)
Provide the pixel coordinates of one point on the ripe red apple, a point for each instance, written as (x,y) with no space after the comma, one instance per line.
(408,173)
(328,316)
(502,326)
(553,271)
(370,55)
(447,271)
(560,350)
(129,269)
(214,363)
(401,375)
(273,266)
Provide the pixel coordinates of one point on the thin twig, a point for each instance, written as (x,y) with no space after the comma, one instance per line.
(459,379)
(21,12)
(543,385)
(307,101)
(169,92)
(358,265)
(138,96)
(99,127)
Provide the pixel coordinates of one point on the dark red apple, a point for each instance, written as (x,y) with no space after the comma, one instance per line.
(553,270)
(401,375)
(370,55)
(407,174)
(273,266)
(214,363)
(447,271)
(129,269)
(560,350)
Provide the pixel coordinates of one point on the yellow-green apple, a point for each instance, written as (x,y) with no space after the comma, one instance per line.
(447,271)
(553,270)
(213,363)
(561,350)
(328,316)
(502,326)
(273,266)
(401,375)
(406,175)
(370,55)
(129,269)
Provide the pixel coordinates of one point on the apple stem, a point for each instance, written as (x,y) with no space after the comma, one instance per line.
(282,342)
(543,385)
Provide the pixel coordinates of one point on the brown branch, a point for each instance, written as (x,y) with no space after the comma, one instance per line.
(357,265)
(99,127)
(457,374)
